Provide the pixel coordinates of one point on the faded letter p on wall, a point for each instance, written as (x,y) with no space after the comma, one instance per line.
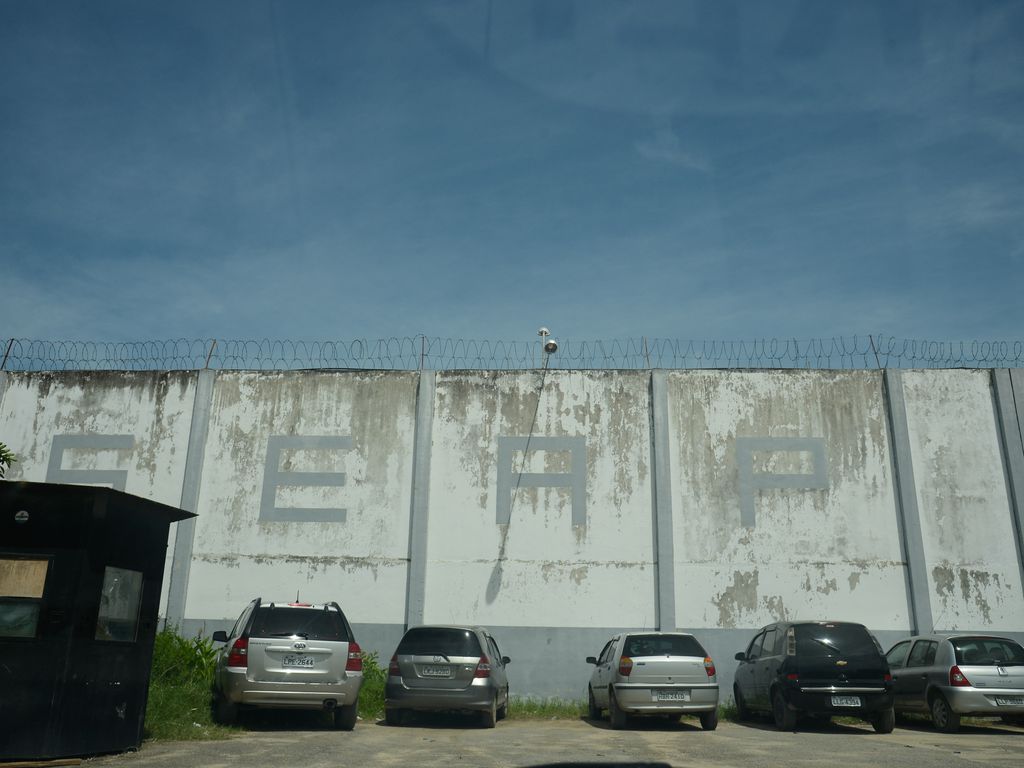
(751,481)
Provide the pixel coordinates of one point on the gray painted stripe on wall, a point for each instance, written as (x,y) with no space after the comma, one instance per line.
(181,564)
(1008,386)
(908,513)
(662,476)
(3,387)
(419,508)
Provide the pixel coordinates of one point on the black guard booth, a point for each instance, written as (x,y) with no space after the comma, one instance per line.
(80,576)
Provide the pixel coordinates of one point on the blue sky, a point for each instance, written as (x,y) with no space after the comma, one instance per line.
(707,169)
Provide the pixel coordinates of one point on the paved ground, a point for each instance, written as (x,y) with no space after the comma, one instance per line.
(537,744)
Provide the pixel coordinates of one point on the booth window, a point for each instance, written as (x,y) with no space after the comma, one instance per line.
(120,599)
(22,582)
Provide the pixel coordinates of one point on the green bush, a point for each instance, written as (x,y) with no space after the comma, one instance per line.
(371,695)
(6,459)
(179,689)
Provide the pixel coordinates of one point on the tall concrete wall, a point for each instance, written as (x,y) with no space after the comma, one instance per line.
(557,507)
(784,499)
(125,430)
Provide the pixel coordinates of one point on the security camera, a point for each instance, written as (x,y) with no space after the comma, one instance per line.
(542,331)
(550,346)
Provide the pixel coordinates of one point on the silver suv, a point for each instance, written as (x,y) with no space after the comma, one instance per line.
(289,656)
(447,668)
(953,675)
(653,673)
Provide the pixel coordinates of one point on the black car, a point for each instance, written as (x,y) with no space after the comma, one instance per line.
(816,668)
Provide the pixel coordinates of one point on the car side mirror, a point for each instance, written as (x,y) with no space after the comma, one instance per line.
(220,636)
(506,660)
(592,660)
(741,656)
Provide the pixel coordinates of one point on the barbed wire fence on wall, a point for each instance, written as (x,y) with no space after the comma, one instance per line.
(435,353)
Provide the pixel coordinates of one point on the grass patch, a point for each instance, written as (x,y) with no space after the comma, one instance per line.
(545,709)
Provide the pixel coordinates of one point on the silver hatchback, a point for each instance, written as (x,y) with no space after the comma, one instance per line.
(437,668)
(653,673)
(289,656)
(949,676)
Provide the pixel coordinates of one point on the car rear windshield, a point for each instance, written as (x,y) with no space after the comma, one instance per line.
(835,640)
(311,623)
(987,650)
(440,641)
(662,645)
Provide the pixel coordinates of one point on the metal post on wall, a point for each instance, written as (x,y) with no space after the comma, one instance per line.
(7,354)
(873,349)
(213,346)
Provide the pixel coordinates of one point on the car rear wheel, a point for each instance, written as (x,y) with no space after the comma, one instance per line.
(785,718)
(709,720)
(224,711)
(392,716)
(345,717)
(742,710)
(490,715)
(616,716)
(884,721)
(944,718)
(593,711)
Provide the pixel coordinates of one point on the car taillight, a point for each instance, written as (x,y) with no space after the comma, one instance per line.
(239,655)
(793,676)
(355,658)
(483,669)
(887,678)
(709,666)
(625,666)
(393,669)
(957,678)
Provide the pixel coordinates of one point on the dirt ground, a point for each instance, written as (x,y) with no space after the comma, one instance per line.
(307,742)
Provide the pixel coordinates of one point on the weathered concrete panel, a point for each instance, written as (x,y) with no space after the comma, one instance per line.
(783,499)
(578,541)
(126,430)
(306,488)
(966,520)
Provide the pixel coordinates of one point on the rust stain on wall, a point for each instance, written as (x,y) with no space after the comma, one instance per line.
(314,566)
(736,599)
(975,588)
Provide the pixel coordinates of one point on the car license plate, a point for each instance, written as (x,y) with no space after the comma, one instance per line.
(297,661)
(1009,701)
(673,695)
(429,671)
(846,701)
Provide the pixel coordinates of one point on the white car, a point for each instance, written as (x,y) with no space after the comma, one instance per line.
(949,676)
(289,656)
(653,673)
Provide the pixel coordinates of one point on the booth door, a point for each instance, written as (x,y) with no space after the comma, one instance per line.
(36,606)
